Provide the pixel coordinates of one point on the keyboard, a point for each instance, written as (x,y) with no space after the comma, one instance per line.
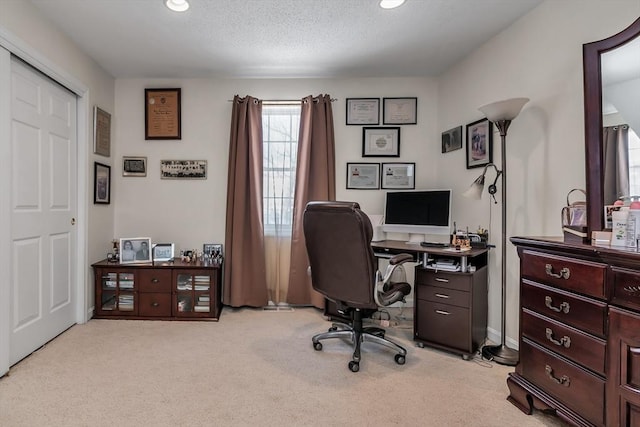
(434,245)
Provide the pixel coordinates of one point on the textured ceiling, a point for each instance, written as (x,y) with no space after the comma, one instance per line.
(280,38)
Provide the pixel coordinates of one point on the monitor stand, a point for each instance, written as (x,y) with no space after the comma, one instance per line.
(415,239)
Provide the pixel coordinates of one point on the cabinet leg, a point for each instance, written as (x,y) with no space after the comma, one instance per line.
(519,396)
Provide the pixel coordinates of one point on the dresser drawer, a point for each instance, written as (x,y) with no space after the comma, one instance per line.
(155,304)
(582,348)
(451,280)
(576,275)
(574,310)
(443,295)
(443,324)
(577,388)
(626,287)
(151,280)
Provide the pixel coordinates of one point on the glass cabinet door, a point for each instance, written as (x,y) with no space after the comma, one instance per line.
(192,293)
(118,292)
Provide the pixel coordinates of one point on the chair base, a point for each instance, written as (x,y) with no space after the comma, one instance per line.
(357,334)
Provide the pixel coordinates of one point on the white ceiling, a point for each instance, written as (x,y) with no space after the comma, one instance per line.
(281,38)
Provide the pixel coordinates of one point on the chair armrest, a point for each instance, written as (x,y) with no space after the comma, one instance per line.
(400,259)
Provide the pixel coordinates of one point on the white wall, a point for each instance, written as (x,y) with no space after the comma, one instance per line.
(190,213)
(539,57)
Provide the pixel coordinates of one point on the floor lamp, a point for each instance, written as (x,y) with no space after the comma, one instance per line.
(501,114)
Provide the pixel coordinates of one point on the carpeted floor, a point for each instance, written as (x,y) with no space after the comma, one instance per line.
(253,368)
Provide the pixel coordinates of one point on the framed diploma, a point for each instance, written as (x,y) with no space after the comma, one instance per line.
(162,114)
(101,132)
(363,176)
(398,176)
(399,111)
(363,111)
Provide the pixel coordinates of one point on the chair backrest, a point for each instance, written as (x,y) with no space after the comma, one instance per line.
(343,266)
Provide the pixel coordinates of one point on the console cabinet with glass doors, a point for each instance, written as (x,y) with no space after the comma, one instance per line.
(160,291)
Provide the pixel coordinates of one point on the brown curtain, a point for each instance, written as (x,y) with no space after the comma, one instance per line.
(245,271)
(616,163)
(315,180)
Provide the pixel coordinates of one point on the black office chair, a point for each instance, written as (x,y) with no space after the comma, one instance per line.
(344,269)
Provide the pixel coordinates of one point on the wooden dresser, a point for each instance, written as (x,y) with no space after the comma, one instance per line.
(579,332)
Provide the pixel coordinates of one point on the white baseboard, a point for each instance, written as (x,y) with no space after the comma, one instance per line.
(495,336)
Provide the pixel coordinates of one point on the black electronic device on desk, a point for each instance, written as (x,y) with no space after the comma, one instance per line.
(434,245)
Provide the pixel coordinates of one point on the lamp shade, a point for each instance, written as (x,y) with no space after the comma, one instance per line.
(504,110)
(475,190)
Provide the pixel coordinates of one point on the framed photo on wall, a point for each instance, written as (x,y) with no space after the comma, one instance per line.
(134,166)
(479,143)
(102,183)
(183,169)
(399,111)
(381,142)
(162,115)
(452,139)
(363,111)
(363,176)
(398,176)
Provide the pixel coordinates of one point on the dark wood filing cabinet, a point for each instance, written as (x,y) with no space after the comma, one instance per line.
(166,291)
(579,332)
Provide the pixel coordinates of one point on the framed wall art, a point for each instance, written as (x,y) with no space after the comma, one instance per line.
(398,176)
(102,183)
(101,132)
(134,166)
(363,176)
(452,139)
(399,111)
(363,111)
(381,142)
(183,169)
(162,115)
(135,250)
(479,143)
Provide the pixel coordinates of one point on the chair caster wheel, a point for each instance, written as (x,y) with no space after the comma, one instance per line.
(333,328)
(420,344)
(317,346)
(354,366)
(465,357)
(400,359)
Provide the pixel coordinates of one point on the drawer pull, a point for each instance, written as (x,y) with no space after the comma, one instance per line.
(442,296)
(564,273)
(155,304)
(632,289)
(563,380)
(564,307)
(439,279)
(564,341)
(444,313)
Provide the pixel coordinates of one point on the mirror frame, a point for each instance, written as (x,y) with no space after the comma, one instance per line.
(593,121)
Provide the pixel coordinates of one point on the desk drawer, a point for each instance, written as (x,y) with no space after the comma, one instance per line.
(443,324)
(155,304)
(584,349)
(157,280)
(579,389)
(626,287)
(574,310)
(451,280)
(584,277)
(443,295)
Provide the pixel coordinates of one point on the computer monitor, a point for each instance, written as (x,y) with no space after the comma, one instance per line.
(418,213)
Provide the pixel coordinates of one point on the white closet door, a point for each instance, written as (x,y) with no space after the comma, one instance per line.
(43,210)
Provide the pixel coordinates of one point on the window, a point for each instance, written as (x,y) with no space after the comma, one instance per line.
(280,126)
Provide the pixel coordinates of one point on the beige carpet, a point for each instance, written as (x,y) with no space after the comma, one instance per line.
(251,368)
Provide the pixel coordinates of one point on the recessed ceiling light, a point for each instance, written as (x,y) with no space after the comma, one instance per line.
(177,5)
(391,4)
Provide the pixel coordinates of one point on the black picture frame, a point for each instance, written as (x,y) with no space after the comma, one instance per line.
(362,111)
(101,184)
(452,139)
(363,176)
(398,176)
(400,111)
(134,166)
(479,143)
(381,141)
(162,114)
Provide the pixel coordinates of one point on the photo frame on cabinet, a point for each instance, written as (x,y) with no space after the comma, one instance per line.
(101,132)
(381,142)
(135,250)
(363,176)
(162,114)
(163,251)
(363,111)
(134,166)
(452,139)
(479,143)
(212,249)
(399,111)
(398,176)
(102,183)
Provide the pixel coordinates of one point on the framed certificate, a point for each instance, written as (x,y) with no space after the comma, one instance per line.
(162,114)
(399,111)
(381,142)
(363,176)
(363,111)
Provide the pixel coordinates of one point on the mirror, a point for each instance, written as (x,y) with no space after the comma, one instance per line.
(599,61)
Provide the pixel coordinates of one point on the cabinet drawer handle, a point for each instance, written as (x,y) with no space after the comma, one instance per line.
(632,289)
(564,307)
(564,341)
(563,380)
(442,296)
(154,280)
(564,273)
(444,313)
(155,304)
(439,279)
